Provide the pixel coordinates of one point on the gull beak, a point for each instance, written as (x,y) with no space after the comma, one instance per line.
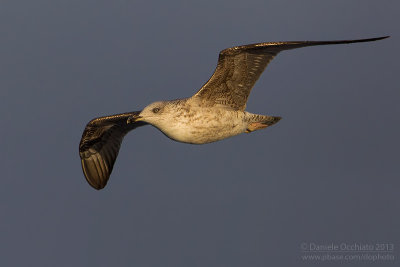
(133,119)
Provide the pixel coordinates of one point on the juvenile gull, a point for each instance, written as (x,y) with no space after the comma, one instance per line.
(215,112)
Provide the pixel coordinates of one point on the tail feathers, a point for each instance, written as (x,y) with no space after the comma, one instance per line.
(271,120)
(262,122)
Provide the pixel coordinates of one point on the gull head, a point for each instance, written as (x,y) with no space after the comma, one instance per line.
(156,113)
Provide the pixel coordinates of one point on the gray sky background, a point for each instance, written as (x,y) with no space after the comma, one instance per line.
(327,173)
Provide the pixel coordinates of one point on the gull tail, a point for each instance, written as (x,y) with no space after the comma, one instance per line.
(259,122)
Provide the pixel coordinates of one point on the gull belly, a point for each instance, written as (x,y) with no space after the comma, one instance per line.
(203,125)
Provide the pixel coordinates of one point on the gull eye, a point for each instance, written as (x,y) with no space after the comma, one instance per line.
(155,110)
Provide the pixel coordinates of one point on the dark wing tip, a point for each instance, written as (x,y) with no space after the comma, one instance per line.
(92,174)
(96,159)
(100,144)
(372,39)
(292,44)
(97,164)
(383,37)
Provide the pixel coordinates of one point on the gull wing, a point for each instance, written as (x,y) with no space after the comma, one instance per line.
(240,67)
(100,145)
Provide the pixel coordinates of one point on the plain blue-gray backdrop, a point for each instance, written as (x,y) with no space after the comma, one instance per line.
(328,172)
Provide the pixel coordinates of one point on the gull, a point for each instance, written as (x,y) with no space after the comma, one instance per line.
(215,112)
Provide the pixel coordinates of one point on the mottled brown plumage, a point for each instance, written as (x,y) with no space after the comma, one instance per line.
(215,112)
(240,67)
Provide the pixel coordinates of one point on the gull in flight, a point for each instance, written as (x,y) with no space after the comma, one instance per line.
(215,112)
